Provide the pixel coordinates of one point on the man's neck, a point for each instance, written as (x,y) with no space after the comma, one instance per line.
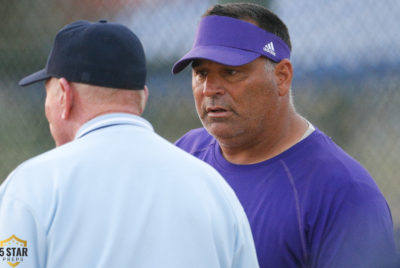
(255,150)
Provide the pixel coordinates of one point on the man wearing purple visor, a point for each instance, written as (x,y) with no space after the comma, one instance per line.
(309,203)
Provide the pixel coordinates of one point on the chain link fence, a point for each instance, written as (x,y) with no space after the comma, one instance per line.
(346,57)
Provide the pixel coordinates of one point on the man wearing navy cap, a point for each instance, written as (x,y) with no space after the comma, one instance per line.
(308,202)
(113,193)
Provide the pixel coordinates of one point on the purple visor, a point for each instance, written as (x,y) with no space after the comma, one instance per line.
(232,42)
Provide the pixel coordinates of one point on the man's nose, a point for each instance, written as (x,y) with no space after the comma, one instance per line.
(213,86)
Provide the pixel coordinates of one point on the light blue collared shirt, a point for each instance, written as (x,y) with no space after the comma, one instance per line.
(119,195)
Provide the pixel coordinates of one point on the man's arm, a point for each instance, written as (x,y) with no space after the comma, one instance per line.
(358,231)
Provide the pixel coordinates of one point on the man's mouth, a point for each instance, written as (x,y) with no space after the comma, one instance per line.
(218,112)
(215,110)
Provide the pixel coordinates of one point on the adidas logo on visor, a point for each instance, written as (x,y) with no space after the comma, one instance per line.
(269,48)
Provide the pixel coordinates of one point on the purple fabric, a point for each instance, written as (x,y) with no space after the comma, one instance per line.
(311,206)
(232,42)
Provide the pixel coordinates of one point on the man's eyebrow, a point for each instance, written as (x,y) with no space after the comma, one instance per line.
(196,63)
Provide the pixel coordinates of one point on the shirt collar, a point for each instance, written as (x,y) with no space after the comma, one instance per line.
(110,120)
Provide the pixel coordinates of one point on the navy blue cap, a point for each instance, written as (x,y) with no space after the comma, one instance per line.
(95,53)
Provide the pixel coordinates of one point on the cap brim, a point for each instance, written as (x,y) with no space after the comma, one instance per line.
(33,78)
(223,55)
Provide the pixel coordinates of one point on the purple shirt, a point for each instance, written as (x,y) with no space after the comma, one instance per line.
(311,206)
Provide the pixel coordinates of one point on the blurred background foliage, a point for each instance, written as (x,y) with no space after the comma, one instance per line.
(346,57)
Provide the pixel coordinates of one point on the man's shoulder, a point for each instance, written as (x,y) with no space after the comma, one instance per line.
(325,165)
(31,186)
(195,141)
(330,156)
(33,171)
(41,173)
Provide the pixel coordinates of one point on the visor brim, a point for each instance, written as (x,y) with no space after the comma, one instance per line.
(222,55)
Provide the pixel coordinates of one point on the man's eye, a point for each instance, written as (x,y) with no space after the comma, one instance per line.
(231,71)
(201,73)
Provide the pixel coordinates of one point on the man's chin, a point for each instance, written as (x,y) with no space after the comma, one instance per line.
(221,130)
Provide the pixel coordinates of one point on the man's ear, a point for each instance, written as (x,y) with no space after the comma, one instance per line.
(66,98)
(284,76)
(144,99)
(146,93)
